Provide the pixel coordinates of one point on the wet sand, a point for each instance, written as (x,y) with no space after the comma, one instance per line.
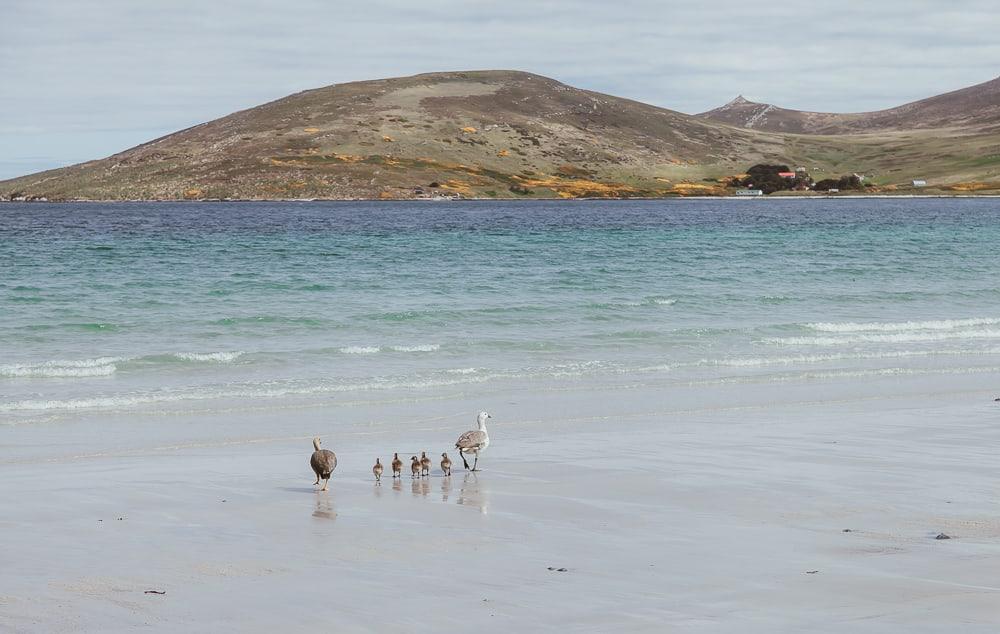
(810,507)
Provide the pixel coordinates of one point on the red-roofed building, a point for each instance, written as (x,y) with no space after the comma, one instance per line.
(787,174)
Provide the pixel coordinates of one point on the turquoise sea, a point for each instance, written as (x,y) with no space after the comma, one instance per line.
(150,306)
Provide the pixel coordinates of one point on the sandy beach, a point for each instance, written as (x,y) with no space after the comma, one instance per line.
(774,509)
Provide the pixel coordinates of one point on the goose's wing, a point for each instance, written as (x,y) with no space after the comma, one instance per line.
(323,461)
(471,440)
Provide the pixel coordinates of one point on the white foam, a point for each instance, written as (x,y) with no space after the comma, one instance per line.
(279,389)
(100,366)
(218,357)
(360,349)
(821,358)
(266,390)
(71,368)
(896,337)
(652,301)
(904,326)
(57,372)
(845,374)
(432,347)
(462,371)
(838,374)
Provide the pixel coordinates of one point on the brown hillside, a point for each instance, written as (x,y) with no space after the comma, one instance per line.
(973,107)
(505,132)
(500,134)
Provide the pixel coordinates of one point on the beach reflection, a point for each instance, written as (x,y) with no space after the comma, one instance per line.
(421,487)
(324,508)
(473,493)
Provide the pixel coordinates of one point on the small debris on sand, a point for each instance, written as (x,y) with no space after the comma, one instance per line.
(155,592)
(942,536)
(811,572)
(553,569)
(847,530)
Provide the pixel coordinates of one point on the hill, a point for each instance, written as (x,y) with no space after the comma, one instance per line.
(487,134)
(973,107)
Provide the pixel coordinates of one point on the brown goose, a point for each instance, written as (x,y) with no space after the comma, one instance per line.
(415,467)
(397,466)
(474,441)
(446,464)
(425,464)
(323,462)
(377,469)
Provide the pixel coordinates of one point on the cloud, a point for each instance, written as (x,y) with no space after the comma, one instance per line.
(71,67)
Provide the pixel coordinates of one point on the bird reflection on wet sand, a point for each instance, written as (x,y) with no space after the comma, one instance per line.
(421,487)
(324,509)
(473,493)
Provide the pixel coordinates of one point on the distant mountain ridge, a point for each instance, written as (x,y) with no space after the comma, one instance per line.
(973,107)
(511,134)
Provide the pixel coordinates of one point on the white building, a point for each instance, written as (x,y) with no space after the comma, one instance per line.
(919,182)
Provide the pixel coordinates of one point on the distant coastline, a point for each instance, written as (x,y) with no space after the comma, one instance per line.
(759,199)
(515,135)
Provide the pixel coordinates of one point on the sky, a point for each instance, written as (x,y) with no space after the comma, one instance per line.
(82,79)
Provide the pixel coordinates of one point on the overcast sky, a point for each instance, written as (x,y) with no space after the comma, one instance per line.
(81,79)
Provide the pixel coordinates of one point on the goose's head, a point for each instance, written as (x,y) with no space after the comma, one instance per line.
(316,442)
(481,419)
(444,455)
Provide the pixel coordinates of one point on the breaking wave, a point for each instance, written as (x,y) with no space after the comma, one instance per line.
(822,358)
(360,349)
(894,337)
(904,326)
(431,347)
(101,366)
(104,366)
(219,357)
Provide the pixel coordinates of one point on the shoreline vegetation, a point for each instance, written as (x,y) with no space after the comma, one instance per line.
(511,135)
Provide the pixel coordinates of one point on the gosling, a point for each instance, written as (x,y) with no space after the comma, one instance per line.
(415,467)
(377,469)
(446,464)
(397,466)
(425,464)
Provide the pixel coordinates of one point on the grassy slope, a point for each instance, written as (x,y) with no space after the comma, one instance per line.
(487,133)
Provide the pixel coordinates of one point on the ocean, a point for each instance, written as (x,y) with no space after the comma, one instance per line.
(161,307)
